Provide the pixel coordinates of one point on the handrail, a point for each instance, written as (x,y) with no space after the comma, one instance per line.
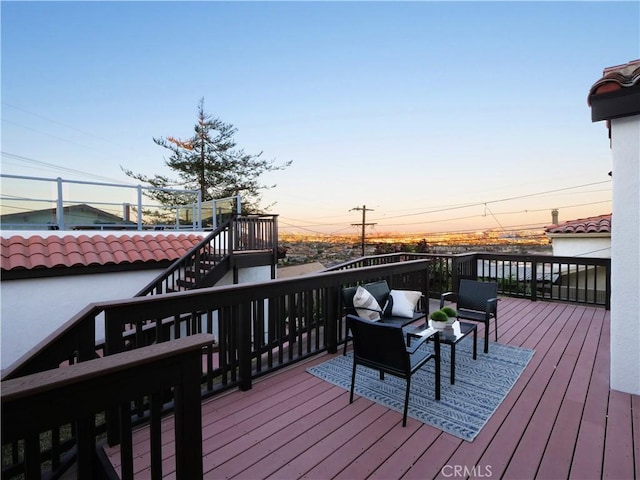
(197,303)
(555,278)
(195,269)
(77,393)
(177,270)
(258,327)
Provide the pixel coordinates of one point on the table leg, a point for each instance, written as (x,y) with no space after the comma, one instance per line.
(486,339)
(453,363)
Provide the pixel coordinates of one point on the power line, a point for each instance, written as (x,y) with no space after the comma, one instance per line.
(458,207)
(57,167)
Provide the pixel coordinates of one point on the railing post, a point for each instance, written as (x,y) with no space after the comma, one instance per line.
(113,344)
(455,273)
(139,207)
(244,346)
(199,222)
(60,206)
(332,318)
(188,421)
(274,244)
(534,279)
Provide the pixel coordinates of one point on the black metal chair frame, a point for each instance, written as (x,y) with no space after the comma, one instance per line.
(476,301)
(380,290)
(382,347)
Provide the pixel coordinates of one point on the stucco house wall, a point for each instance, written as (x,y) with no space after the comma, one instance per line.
(591,245)
(32,309)
(615,98)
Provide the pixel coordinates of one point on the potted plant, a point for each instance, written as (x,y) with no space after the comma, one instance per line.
(439,319)
(451,313)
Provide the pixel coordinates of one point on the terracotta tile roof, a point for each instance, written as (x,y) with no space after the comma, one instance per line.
(617,78)
(53,251)
(598,224)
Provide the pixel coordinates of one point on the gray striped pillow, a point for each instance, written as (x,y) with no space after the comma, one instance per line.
(366,304)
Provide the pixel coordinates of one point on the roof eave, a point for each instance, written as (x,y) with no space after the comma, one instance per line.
(579,235)
(624,102)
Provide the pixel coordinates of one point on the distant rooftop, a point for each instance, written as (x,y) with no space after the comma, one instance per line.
(597,224)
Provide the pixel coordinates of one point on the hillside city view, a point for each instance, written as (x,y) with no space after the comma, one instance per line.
(333,249)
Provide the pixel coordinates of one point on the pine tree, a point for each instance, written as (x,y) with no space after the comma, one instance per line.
(210,162)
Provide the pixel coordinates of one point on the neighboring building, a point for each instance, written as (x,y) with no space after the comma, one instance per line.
(615,98)
(585,237)
(82,215)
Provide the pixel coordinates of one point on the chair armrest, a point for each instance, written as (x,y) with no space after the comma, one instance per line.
(492,304)
(419,341)
(451,296)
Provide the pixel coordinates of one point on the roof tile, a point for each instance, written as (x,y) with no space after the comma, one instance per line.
(597,224)
(617,78)
(37,252)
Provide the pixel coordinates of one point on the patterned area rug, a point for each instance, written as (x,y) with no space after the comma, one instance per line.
(464,408)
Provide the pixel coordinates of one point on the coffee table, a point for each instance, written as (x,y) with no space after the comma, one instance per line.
(449,335)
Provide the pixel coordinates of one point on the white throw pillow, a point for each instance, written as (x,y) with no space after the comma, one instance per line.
(366,304)
(404,302)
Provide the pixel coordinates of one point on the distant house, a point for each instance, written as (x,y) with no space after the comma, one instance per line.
(82,215)
(584,237)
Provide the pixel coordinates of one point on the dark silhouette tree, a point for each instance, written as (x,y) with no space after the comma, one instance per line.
(210,162)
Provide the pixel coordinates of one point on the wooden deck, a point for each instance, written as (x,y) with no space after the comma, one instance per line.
(559,421)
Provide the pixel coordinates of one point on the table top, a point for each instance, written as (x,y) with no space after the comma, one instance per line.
(450,334)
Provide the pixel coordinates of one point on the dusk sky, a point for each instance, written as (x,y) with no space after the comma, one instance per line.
(438,116)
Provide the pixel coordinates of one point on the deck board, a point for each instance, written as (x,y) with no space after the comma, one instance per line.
(560,420)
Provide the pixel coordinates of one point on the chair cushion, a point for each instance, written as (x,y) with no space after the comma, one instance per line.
(404,302)
(366,305)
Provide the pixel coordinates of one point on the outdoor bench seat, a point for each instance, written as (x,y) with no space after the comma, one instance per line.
(380,291)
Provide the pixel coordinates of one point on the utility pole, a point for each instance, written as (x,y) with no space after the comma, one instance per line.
(364,221)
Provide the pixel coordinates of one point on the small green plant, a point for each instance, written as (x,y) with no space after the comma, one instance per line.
(451,312)
(438,316)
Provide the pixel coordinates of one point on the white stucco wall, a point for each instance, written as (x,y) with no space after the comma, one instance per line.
(581,245)
(33,309)
(30,310)
(625,255)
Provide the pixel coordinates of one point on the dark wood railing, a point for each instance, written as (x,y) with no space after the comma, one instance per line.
(536,277)
(258,328)
(261,327)
(76,394)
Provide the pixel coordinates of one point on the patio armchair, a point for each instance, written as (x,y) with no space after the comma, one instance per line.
(476,301)
(382,347)
(377,302)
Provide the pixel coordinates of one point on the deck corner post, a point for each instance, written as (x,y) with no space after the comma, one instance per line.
(189,419)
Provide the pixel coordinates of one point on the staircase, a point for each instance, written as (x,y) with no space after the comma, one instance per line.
(240,242)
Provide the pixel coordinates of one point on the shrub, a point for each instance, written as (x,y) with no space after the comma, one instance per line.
(438,316)
(451,312)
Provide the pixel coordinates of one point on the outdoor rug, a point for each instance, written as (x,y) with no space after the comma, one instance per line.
(464,408)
